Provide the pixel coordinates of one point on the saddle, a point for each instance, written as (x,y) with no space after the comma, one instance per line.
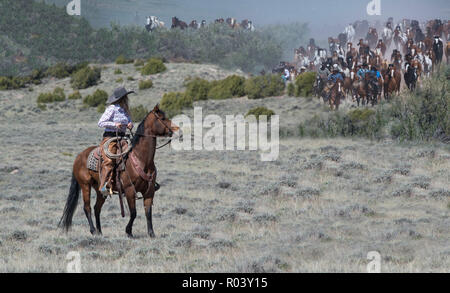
(95,158)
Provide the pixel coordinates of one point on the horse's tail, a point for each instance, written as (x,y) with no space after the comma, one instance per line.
(72,201)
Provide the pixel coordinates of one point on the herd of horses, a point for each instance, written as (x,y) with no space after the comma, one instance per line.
(153,23)
(410,51)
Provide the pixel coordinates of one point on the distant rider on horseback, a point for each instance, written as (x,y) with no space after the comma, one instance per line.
(332,79)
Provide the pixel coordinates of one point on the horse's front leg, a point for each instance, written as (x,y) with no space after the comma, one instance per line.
(148,203)
(131,200)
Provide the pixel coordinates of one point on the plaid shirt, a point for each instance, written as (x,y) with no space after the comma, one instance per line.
(114,114)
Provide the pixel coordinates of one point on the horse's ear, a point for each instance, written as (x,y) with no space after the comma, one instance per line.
(156,109)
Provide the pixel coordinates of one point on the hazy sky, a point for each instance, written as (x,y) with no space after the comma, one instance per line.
(324,16)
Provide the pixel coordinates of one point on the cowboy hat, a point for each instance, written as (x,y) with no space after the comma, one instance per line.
(118,94)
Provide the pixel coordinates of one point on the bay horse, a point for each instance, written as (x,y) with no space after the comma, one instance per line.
(139,175)
(390,83)
(337,93)
(176,23)
(447,52)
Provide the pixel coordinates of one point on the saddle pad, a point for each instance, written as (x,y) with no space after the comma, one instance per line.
(93,161)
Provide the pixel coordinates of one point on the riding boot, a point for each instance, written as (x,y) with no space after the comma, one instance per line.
(107,166)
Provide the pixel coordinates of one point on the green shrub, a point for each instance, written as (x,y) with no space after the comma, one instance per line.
(264,86)
(122,60)
(304,84)
(197,89)
(174,102)
(99,97)
(232,86)
(119,79)
(260,111)
(9,83)
(101,108)
(139,63)
(138,113)
(56,96)
(118,71)
(85,77)
(145,84)
(75,96)
(59,95)
(153,66)
(60,70)
(291,89)
(42,107)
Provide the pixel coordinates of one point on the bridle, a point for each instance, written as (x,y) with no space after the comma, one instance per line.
(156,136)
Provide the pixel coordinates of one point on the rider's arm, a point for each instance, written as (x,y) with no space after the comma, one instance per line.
(106,121)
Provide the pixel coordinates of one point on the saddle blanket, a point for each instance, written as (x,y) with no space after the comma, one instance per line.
(93,161)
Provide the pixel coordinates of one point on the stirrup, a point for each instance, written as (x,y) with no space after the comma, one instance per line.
(104,191)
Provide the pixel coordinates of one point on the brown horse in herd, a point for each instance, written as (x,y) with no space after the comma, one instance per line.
(139,175)
(336,94)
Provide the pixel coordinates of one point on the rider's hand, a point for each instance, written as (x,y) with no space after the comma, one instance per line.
(130,126)
(119,125)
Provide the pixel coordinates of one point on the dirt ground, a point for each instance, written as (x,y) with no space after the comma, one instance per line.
(321,207)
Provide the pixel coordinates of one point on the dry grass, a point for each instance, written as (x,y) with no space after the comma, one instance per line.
(320,208)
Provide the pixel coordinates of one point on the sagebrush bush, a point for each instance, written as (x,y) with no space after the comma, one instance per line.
(99,97)
(197,89)
(118,71)
(139,62)
(59,70)
(85,77)
(138,113)
(291,90)
(174,102)
(260,111)
(264,86)
(145,84)
(153,66)
(75,96)
(423,115)
(56,96)
(232,86)
(10,83)
(122,60)
(304,84)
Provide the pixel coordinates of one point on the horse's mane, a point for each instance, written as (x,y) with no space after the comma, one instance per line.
(140,129)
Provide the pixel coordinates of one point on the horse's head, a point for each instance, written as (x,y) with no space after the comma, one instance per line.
(156,124)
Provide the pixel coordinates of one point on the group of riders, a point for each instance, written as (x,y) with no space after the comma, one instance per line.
(366,72)
(153,22)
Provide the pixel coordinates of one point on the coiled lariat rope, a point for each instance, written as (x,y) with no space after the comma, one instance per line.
(119,155)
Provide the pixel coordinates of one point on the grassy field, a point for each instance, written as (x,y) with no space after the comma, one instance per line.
(321,207)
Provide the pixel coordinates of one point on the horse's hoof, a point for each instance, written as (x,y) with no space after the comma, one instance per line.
(151,234)
(129,235)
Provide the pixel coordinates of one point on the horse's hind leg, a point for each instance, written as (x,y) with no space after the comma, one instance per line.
(97,209)
(86,189)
